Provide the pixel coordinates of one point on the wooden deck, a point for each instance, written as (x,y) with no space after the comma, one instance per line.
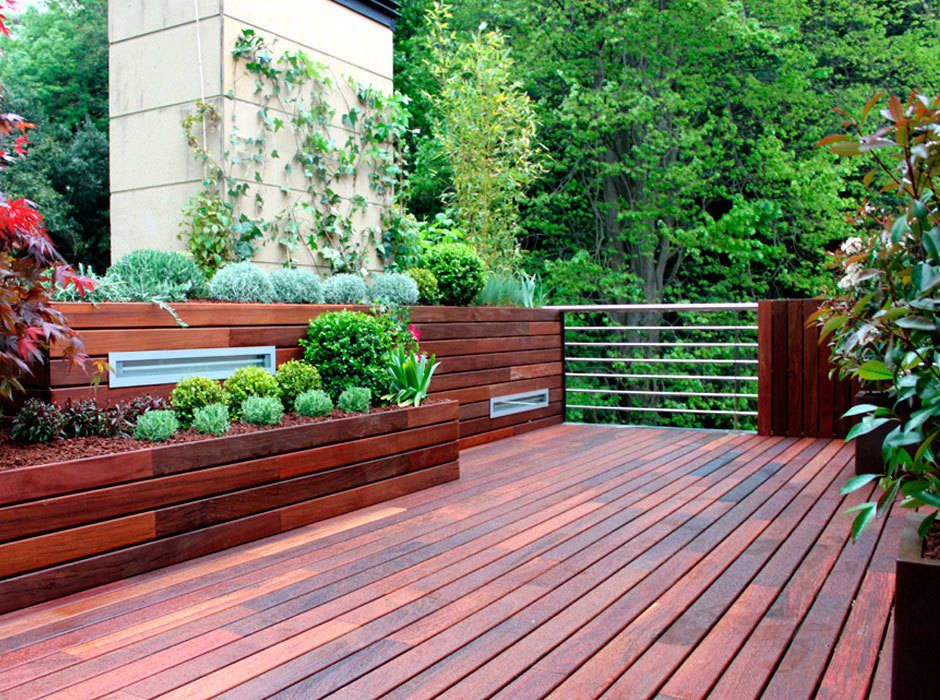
(572,562)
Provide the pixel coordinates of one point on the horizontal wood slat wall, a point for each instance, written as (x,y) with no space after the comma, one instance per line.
(796,396)
(485,352)
(64,529)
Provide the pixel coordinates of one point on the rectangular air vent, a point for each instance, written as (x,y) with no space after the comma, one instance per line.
(169,366)
(517,403)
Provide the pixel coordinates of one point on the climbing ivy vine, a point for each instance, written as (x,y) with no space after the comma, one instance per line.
(324,209)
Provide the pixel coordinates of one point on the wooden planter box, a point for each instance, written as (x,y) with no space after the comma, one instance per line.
(73,525)
(485,352)
(916,617)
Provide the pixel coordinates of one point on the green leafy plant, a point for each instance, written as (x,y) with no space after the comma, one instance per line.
(38,421)
(349,349)
(296,285)
(262,410)
(313,403)
(394,288)
(459,272)
(241,281)
(883,313)
(355,399)
(83,418)
(345,289)
(249,381)
(192,393)
(156,426)
(295,377)
(211,419)
(410,376)
(428,292)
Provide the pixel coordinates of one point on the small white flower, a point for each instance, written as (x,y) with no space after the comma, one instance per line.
(852,271)
(852,246)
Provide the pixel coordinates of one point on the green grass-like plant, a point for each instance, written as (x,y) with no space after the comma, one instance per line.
(459,272)
(250,381)
(394,288)
(410,374)
(355,399)
(211,419)
(345,289)
(313,403)
(294,378)
(156,426)
(295,285)
(262,410)
(192,393)
(241,281)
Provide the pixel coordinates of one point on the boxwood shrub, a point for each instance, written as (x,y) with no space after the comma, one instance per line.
(459,272)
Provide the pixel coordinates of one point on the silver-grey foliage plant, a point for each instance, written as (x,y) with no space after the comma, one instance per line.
(394,288)
(296,285)
(241,281)
(345,289)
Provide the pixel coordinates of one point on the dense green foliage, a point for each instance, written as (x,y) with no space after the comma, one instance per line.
(149,273)
(394,288)
(241,281)
(55,73)
(350,348)
(344,288)
(428,291)
(262,410)
(294,378)
(315,402)
(156,426)
(296,285)
(458,270)
(192,393)
(249,381)
(38,421)
(211,419)
(355,399)
(410,374)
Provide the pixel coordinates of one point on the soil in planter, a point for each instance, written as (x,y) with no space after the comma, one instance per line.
(931,543)
(14,455)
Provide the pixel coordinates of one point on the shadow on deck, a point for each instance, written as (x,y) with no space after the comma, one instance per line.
(576,561)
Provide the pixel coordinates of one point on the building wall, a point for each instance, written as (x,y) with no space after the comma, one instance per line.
(154,73)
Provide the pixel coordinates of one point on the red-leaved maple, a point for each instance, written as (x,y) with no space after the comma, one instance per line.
(29,263)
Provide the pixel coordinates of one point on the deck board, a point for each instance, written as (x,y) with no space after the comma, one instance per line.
(571,562)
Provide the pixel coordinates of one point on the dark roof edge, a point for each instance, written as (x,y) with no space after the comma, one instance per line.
(382,11)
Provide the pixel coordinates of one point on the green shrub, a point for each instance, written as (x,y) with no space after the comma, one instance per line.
(313,403)
(171,275)
(459,272)
(349,348)
(345,289)
(295,285)
(38,421)
(262,410)
(156,426)
(355,399)
(192,393)
(294,378)
(249,381)
(211,419)
(394,288)
(428,293)
(241,281)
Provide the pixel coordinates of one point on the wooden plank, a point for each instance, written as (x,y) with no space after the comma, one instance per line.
(779,368)
(101,342)
(826,393)
(470,363)
(765,350)
(480,425)
(795,368)
(511,431)
(75,543)
(462,380)
(481,393)
(106,396)
(450,348)
(469,314)
(810,371)
(483,329)
(279,336)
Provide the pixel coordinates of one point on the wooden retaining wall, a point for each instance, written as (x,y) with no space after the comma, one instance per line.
(70,526)
(796,395)
(485,352)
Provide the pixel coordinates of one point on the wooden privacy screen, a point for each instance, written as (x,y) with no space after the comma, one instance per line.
(485,352)
(796,396)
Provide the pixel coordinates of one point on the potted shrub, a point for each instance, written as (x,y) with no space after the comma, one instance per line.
(883,320)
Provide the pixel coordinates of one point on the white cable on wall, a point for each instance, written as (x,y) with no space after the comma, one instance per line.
(202,79)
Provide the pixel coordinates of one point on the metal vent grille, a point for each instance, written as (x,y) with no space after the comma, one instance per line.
(170,366)
(517,403)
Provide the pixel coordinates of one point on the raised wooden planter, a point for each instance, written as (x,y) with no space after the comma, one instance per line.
(485,352)
(69,526)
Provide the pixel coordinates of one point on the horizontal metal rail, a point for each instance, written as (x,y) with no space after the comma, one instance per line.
(640,392)
(681,377)
(662,360)
(701,411)
(661,328)
(741,306)
(599,344)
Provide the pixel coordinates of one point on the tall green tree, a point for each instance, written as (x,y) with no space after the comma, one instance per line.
(54,70)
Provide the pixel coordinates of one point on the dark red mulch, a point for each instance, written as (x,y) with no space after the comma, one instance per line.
(931,542)
(13,455)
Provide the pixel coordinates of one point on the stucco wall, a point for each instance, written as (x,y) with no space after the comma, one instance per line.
(154,74)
